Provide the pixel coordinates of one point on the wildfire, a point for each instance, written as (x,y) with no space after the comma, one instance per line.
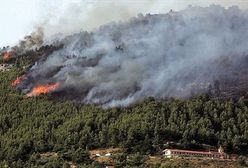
(17,81)
(43,89)
(7,56)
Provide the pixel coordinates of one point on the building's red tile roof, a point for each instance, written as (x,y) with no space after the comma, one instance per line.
(193,152)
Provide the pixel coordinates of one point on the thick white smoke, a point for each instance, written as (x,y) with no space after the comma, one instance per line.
(178,54)
(70,16)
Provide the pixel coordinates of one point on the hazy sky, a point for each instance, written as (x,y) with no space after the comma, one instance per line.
(18,17)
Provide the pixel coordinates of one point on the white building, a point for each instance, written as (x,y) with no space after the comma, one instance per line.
(170,153)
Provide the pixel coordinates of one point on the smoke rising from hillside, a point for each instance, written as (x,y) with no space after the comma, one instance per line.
(178,54)
(70,16)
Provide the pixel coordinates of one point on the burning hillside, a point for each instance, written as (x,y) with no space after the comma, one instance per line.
(7,56)
(18,80)
(43,89)
(178,54)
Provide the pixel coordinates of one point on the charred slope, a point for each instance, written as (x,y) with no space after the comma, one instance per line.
(179,54)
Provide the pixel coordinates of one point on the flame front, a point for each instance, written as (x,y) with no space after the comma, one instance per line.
(7,56)
(17,81)
(43,89)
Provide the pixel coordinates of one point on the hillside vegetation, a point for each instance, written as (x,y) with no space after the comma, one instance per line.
(32,126)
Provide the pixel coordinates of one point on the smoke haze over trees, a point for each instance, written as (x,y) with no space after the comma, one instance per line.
(178,54)
(34,126)
(138,63)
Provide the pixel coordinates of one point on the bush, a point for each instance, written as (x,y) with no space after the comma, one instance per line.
(242,160)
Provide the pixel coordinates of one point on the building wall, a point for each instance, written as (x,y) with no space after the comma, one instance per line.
(169,154)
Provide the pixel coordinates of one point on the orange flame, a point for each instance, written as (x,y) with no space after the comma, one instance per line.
(17,81)
(7,56)
(43,89)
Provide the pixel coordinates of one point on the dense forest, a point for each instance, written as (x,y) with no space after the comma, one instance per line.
(31,126)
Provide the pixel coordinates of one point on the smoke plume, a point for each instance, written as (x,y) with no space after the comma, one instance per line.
(178,54)
(70,16)
(33,41)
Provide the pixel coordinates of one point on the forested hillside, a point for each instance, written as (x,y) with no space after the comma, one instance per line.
(31,126)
